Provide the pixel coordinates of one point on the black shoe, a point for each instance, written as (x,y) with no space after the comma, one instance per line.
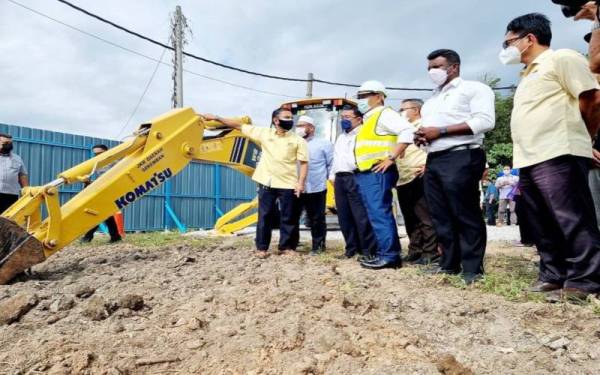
(470,278)
(85,240)
(411,258)
(380,264)
(366,258)
(344,256)
(426,261)
(437,270)
(115,240)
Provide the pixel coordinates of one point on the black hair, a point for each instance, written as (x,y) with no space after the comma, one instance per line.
(277,112)
(418,102)
(532,23)
(101,146)
(2,135)
(353,108)
(451,56)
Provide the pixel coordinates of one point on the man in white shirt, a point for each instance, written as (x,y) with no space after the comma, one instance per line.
(455,119)
(351,212)
(383,137)
(506,184)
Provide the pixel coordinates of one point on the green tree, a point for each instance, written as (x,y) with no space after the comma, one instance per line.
(498,142)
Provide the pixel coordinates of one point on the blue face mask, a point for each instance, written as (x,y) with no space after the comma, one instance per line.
(346,125)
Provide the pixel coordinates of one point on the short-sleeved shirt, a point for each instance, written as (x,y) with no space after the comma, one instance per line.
(277,167)
(320,158)
(546,120)
(11,167)
(413,160)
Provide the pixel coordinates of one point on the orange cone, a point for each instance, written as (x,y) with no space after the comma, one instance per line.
(120,223)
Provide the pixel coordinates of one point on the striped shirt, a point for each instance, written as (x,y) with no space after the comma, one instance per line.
(11,167)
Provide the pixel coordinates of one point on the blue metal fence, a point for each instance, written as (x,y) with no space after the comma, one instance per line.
(196,197)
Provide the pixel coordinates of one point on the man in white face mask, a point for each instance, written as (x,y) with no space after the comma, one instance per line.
(556,108)
(454,121)
(320,159)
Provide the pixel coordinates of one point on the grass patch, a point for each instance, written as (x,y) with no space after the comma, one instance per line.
(509,276)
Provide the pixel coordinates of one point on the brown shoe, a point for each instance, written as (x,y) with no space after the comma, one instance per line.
(571,295)
(543,287)
(261,254)
(288,252)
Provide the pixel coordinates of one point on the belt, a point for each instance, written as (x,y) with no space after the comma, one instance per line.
(344,174)
(457,148)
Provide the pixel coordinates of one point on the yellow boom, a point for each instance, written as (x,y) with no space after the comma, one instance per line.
(157,151)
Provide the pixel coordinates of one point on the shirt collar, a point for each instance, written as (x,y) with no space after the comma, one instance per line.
(6,155)
(537,61)
(371,112)
(452,84)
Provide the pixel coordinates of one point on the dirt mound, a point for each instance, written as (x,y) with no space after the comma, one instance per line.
(212,308)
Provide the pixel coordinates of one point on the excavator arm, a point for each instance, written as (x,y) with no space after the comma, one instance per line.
(156,152)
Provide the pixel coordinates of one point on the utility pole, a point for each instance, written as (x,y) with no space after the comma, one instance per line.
(309,86)
(178,23)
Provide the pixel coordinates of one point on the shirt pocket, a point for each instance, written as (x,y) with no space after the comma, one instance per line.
(290,152)
(14,167)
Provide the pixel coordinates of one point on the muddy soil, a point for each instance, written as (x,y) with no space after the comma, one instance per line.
(212,308)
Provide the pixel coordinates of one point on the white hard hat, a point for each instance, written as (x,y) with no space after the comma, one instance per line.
(307,119)
(373,86)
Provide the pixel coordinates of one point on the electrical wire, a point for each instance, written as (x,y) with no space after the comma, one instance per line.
(146,56)
(225,66)
(139,102)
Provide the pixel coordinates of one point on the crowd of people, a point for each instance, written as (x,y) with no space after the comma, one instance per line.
(431,153)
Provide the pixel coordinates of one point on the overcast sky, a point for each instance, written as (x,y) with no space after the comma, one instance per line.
(52,77)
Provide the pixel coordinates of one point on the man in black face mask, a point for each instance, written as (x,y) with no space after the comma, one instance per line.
(13,174)
(277,177)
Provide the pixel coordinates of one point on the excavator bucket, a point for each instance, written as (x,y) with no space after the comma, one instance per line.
(19,250)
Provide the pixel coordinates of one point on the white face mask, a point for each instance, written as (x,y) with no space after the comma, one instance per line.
(438,76)
(510,56)
(363,105)
(404,114)
(301,132)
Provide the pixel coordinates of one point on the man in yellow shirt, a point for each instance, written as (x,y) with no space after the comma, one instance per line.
(556,108)
(422,247)
(277,177)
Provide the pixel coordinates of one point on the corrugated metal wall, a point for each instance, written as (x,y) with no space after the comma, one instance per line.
(198,195)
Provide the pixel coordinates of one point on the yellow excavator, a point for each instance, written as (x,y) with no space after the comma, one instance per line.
(156,152)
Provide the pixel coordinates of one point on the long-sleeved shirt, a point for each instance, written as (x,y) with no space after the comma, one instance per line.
(343,154)
(320,158)
(458,102)
(505,184)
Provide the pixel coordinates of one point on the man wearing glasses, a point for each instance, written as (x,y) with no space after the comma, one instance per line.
(556,110)
(455,119)
(422,248)
(351,212)
(383,137)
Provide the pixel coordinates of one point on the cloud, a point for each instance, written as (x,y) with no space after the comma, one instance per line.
(56,78)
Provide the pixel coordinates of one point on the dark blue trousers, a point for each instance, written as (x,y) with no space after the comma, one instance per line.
(352,216)
(376,192)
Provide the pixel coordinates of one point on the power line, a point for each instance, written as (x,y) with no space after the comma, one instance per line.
(146,56)
(225,66)
(137,106)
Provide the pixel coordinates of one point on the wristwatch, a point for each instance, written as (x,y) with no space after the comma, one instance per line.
(443,132)
(595,25)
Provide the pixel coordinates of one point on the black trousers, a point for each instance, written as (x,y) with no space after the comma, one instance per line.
(524,227)
(352,217)
(557,198)
(288,224)
(113,230)
(452,193)
(314,204)
(7,200)
(490,212)
(419,226)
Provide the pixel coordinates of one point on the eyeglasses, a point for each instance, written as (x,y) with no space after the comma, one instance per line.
(406,109)
(508,42)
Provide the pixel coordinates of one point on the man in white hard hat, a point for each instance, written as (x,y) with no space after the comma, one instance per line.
(320,157)
(383,138)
